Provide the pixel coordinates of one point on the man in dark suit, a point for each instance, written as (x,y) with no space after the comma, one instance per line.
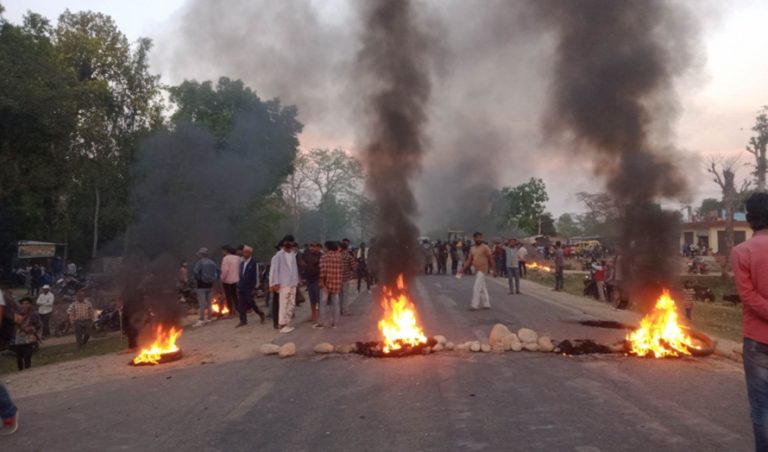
(246,287)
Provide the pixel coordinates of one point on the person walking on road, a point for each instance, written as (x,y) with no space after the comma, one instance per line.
(80,313)
(284,279)
(513,268)
(8,413)
(481,257)
(205,273)
(247,281)
(331,280)
(230,275)
(750,272)
(28,327)
(45,308)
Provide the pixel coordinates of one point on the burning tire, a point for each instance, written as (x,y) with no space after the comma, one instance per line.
(705,346)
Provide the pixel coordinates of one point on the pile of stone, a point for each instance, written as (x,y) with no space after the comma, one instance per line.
(284,351)
(500,340)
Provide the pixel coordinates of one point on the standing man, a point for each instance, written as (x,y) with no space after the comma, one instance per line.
(81,315)
(311,275)
(750,272)
(205,273)
(230,275)
(248,279)
(45,308)
(348,266)
(559,266)
(284,279)
(481,257)
(522,254)
(513,268)
(428,253)
(454,258)
(331,279)
(36,280)
(442,257)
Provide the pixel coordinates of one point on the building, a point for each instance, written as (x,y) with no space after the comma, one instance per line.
(711,234)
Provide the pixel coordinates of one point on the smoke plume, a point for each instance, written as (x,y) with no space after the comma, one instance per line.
(394,77)
(613,97)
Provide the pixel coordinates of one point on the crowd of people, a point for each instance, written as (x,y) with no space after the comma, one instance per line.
(327,271)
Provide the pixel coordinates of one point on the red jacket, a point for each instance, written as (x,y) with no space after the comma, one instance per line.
(750,271)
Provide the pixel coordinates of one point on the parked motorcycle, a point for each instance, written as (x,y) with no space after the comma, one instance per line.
(107,320)
(68,286)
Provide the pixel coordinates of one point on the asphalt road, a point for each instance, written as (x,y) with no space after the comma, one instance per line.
(442,402)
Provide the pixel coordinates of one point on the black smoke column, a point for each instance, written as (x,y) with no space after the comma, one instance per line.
(392,67)
(613,97)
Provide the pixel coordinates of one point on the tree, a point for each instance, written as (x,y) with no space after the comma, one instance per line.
(757,147)
(522,206)
(567,226)
(37,118)
(334,179)
(709,205)
(602,215)
(547,224)
(118,103)
(724,175)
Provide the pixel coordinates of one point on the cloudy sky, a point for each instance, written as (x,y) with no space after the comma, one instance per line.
(299,59)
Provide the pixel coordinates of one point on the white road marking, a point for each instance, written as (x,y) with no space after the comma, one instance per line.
(249,402)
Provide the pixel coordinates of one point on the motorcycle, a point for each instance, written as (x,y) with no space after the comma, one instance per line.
(68,286)
(107,320)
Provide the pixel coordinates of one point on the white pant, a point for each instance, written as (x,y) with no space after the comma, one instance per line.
(480,291)
(287,304)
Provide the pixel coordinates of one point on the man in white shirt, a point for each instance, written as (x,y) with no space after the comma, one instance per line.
(284,279)
(45,308)
(522,253)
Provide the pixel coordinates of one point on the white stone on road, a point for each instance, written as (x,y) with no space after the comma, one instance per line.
(270,349)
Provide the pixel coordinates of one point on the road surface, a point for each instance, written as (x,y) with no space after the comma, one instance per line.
(441,402)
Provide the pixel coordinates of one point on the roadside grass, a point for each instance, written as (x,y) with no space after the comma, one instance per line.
(717,318)
(61,353)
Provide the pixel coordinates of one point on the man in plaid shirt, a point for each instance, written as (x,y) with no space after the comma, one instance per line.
(349,264)
(331,280)
(81,314)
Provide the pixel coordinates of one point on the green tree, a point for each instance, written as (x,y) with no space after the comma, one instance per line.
(118,104)
(547,224)
(568,226)
(602,215)
(757,147)
(37,118)
(709,205)
(333,179)
(522,206)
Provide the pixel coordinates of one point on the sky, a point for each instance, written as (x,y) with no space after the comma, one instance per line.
(718,100)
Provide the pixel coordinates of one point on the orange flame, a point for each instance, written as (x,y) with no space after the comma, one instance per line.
(219,307)
(165,342)
(536,266)
(660,335)
(399,326)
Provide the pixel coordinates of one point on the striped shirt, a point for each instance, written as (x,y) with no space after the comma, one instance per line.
(331,271)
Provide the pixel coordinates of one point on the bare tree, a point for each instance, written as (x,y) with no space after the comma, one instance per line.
(723,171)
(295,190)
(322,178)
(757,147)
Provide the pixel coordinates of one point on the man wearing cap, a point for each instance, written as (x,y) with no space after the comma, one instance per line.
(45,308)
(246,287)
(284,279)
(230,276)
(205,273)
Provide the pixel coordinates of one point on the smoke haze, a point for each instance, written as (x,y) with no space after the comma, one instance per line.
(613,97)
(393,68)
